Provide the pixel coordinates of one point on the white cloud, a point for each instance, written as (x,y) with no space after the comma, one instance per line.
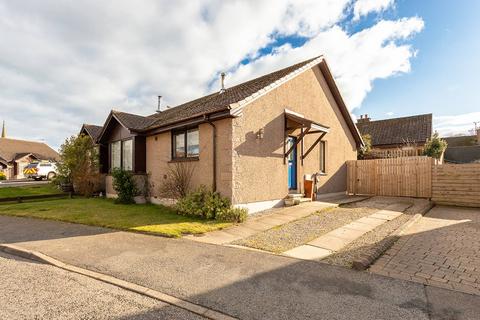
(364,7)
(456,124)
(69,62)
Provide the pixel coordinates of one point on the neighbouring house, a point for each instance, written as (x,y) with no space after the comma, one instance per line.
(91,130)
(463,149)
(397,137)
(254,142)
(16,154)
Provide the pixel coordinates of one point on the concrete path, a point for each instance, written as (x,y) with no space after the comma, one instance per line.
(32,290)
(337,239)
(241,283)
(442,249)
(267,221)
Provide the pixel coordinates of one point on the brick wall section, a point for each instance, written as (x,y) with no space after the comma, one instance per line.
(159,158)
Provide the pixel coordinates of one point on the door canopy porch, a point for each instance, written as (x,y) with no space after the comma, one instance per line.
(295,121)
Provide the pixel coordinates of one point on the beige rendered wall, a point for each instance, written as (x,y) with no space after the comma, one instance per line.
(259,173)
(159,158)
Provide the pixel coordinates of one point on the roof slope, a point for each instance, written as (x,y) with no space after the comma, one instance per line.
(219,101)
(398,130)
(93,131)
(11,148)
(222,101)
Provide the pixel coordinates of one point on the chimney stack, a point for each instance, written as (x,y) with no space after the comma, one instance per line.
(222,82)
(159,104)
(363,118)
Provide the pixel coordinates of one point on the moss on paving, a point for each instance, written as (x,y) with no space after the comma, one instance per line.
(105,213)
(11,192)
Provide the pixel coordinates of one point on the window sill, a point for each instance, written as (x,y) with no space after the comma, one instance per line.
(184,159)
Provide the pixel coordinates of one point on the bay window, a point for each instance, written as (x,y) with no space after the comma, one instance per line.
(121,155)
(115,154)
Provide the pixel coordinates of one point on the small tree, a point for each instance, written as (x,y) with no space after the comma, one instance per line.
(124,185)
(79,164)
(177,183)
(367,148)
(435,147)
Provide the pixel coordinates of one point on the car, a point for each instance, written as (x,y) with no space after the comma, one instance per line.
(40,170)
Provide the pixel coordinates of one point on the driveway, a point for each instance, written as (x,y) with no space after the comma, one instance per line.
(242,283)
(442,249)
(36,291)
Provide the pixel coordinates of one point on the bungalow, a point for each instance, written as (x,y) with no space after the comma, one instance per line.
(16,154)
(255,143)
(405,136)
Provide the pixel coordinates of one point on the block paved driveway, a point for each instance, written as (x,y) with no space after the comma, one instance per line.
(442,249)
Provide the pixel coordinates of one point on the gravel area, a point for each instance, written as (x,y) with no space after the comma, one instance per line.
(375,238)
(301,231)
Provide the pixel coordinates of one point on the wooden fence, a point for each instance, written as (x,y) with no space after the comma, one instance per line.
(420,177)
(403,177)
(456,184)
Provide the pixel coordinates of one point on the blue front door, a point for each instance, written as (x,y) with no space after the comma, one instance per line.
(292,164)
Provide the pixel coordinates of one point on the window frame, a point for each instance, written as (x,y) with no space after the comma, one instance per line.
(322,156)
(122,141)
(184,132)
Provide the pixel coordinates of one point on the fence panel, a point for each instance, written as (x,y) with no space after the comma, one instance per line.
(456,184)
(403,177)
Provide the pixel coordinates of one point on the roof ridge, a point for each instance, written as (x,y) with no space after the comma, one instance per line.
(33,141)
(398,118)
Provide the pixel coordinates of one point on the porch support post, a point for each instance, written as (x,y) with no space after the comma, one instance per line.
(299,138)
(313,146)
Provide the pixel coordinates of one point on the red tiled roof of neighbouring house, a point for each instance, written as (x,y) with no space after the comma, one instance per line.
(413,129)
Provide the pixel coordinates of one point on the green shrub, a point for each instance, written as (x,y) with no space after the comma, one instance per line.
(435,146)
(124,185)
(233,215)
(208,204)
(3,176)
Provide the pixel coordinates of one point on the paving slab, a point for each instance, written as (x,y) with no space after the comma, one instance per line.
(329,242)
(308,252)
(347,233)
(359,226)
(371,221)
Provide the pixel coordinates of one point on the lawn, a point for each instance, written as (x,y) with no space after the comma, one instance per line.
(105,213)
(11,192)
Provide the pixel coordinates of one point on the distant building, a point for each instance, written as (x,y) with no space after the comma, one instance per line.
(463,149)
(405,136)
(16,154)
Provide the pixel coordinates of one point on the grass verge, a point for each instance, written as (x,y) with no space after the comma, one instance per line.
(148,218)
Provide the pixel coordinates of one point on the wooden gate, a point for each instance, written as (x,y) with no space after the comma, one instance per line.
(399,177)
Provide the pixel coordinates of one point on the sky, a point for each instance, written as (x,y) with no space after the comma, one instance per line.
(64,63)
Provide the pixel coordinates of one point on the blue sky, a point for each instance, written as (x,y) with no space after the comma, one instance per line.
(64,63)
(444,76)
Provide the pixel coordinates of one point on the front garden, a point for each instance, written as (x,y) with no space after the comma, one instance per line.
(196,211)
(100,212)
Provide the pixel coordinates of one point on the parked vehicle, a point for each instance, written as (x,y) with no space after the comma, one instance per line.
(40,171)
